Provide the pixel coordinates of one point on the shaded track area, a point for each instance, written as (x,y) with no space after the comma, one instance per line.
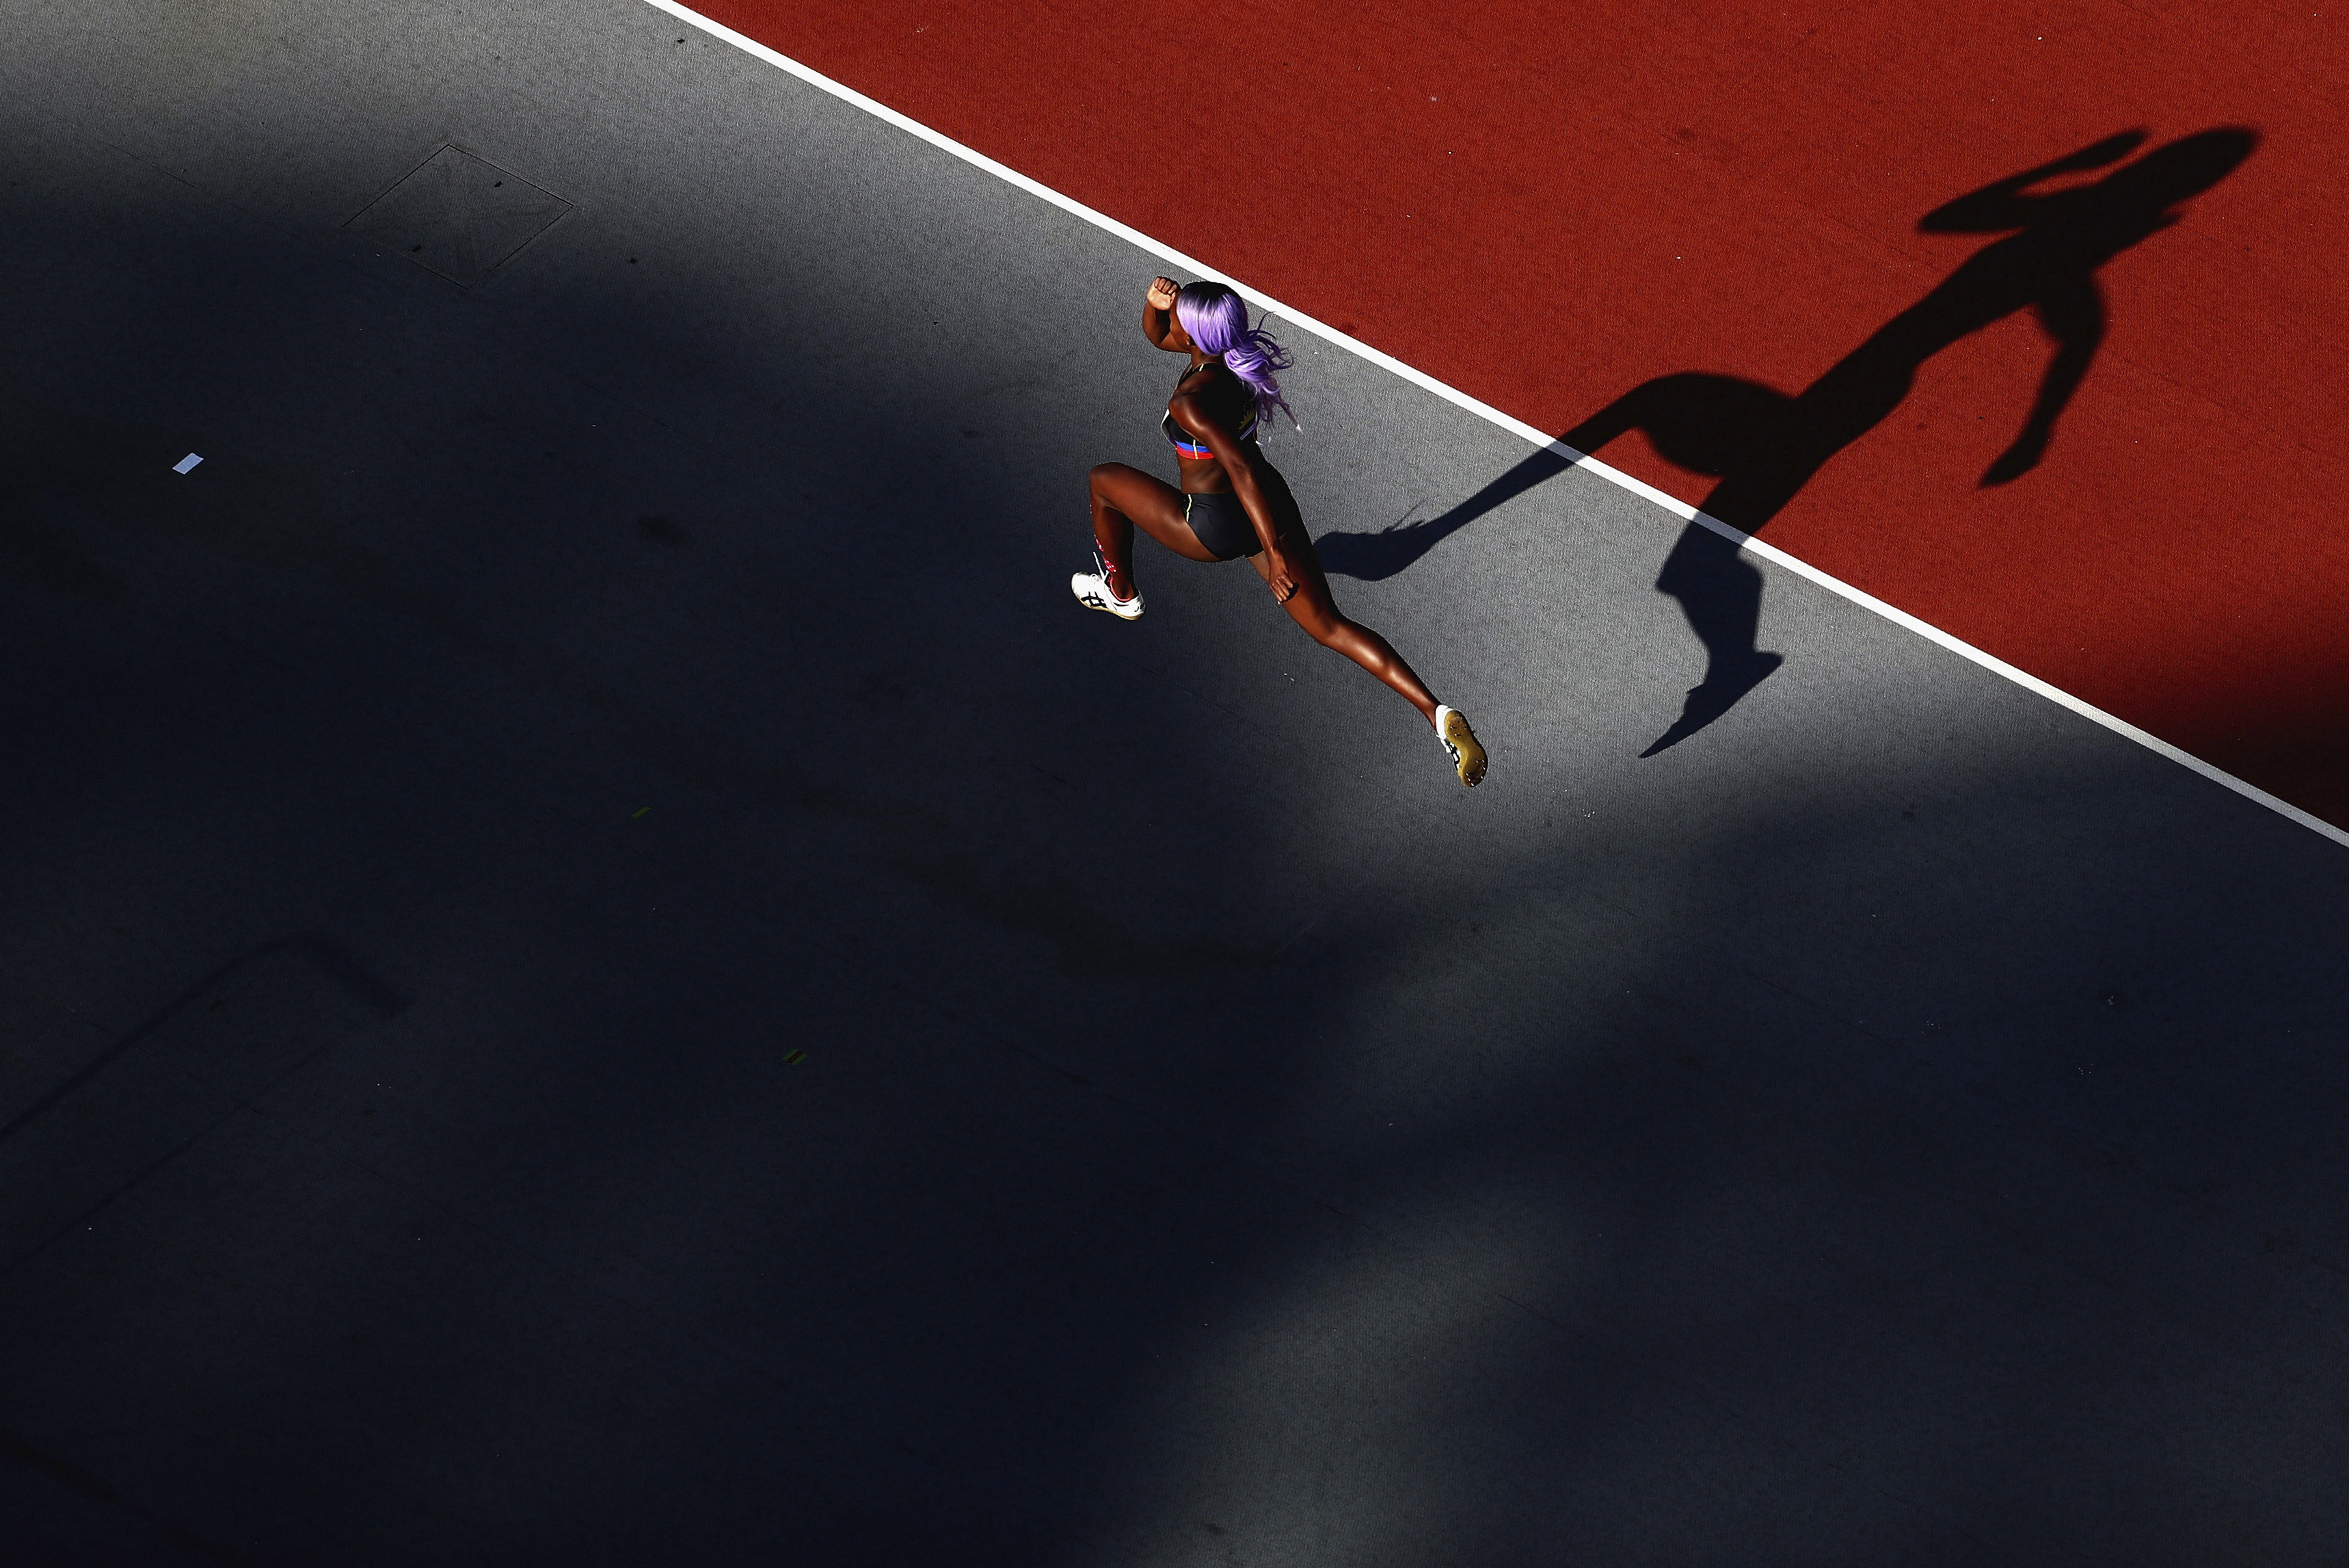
(1549,208)
(565,1001)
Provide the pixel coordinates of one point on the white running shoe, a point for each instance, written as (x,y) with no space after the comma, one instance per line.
(1467,754)
(1092,589)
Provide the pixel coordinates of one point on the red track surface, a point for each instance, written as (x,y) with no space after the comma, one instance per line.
(1545,207)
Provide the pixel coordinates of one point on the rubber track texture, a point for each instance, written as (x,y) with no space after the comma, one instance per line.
(1548,207)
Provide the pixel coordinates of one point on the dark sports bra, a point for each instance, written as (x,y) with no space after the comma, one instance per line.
(1182,440)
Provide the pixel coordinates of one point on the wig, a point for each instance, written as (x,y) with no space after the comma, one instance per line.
(1217,318)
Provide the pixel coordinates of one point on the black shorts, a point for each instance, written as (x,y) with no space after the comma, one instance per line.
(1222,524)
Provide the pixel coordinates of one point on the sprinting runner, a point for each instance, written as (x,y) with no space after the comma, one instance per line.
(1233,503)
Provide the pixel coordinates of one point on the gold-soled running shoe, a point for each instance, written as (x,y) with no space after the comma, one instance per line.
(1467,754)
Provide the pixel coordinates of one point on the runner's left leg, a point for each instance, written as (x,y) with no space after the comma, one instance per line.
(1123,497)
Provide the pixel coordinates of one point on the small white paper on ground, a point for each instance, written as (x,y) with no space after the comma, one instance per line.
(184,464)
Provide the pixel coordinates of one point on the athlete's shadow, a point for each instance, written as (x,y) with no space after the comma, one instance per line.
(1763,446)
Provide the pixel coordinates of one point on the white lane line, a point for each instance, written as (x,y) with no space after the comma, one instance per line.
(1419,378)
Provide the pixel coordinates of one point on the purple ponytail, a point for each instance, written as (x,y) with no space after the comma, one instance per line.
(1217,319)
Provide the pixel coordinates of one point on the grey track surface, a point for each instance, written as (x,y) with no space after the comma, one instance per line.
(1901,1124)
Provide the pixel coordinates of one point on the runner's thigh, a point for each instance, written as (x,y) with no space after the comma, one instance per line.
(1154,507)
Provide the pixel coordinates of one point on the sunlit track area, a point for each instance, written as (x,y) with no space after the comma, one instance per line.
(2025,319)
(602,967)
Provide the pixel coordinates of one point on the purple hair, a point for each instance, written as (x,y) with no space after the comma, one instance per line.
(1217,319)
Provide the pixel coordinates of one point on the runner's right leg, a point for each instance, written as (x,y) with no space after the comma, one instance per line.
(1313,608)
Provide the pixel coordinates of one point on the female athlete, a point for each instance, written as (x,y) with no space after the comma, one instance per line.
(1233,503)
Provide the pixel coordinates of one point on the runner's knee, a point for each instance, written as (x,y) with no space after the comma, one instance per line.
(1323,628)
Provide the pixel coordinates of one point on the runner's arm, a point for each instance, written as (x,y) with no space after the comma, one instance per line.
(1158,312)
(1238,463)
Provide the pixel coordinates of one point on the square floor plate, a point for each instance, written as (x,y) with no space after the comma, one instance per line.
(459,216)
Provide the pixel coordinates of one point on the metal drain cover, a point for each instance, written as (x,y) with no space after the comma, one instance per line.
(459,216)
